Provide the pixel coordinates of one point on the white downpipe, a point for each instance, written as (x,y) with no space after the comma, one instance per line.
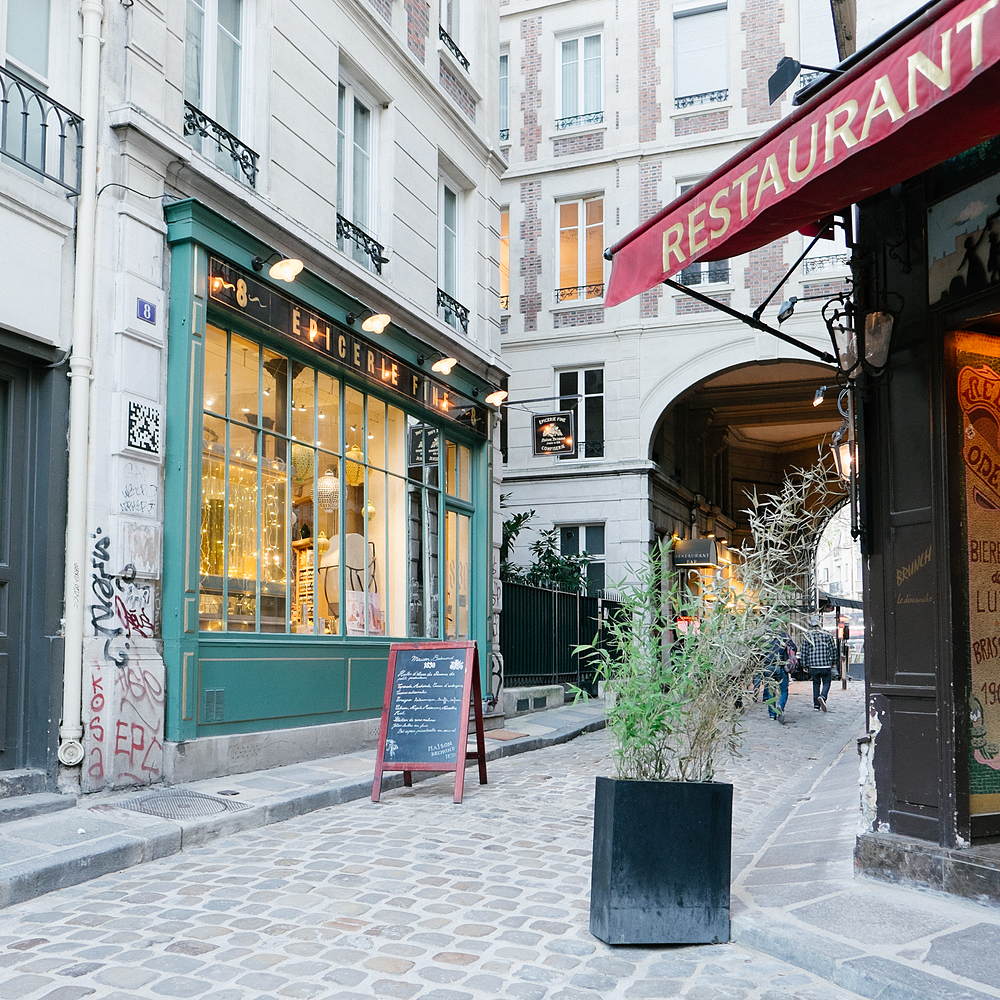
(80,375)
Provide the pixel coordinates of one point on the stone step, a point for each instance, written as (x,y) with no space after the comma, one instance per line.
(22,782)
(15,807)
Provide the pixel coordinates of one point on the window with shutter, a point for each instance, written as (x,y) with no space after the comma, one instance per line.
(701,56)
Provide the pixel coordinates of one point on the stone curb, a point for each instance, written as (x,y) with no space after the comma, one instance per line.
(147,838)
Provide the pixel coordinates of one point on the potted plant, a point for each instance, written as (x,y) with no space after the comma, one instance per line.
(677,673)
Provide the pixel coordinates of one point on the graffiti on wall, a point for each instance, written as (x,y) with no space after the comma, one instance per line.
(122,606)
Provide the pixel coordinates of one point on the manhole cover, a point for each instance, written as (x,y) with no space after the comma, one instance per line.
(181,804)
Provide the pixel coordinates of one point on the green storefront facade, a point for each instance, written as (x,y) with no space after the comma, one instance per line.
(326,494)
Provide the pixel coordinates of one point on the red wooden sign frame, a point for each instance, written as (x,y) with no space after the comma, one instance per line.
(471,692)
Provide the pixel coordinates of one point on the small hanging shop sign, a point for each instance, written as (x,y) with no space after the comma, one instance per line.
(553,433)
(254,300)
(696,552)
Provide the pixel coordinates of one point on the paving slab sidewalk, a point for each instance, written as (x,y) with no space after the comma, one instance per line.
(101,834)
(796,898)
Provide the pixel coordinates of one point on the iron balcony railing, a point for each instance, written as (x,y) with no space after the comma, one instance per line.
(197,123)
(590,118)
(709,97)
(453,310)
(38,133)
(698,275)
(452,47)
(504,134)
(367,245)
(574,292)
(505,302)
(831,262)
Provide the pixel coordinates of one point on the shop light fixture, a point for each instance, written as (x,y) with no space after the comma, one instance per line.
(444,365)
(283,269)
(820,393)
(787,308)
(496,397)
(375,323)
(863,347)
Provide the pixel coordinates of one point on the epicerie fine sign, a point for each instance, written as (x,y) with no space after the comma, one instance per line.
(263,305)
(553,433)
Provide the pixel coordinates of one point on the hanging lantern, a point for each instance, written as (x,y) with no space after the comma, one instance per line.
(302,462)
(370,509)
(355,472)
(328,491)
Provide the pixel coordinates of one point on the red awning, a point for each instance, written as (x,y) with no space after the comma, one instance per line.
(930,92)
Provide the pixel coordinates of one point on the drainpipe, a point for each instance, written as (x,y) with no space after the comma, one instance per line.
(80,374)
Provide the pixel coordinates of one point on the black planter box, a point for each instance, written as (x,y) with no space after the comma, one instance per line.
(662,862)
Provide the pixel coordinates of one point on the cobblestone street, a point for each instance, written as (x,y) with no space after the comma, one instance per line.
(414,897)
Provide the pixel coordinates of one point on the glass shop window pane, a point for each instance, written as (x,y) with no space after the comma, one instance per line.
(464,473)
(274,401)
(464,575)
(451,575)
(328,415)
(241,528)
(303,403)
(215,370)
(376,432)
(451,469)
(395,603)
(415,559)
(327,515)
(376,514)
(244,374)
(213,523)
(396,442)
(273,534)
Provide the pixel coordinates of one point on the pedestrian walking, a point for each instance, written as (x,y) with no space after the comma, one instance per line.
(818,655)
(779,651)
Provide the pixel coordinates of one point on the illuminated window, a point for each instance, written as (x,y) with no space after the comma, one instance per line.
(581,250)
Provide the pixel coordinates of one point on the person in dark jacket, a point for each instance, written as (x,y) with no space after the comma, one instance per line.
(818,654)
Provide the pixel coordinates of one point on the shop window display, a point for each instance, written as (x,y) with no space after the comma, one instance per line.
(320,503)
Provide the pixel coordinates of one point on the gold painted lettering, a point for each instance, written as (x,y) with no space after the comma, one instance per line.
(357,355)
(715,211)
(295,322)
(313,329)
(395,374)
(883,100)
(770,178)
(940,76)
(371,362)
(342,346)
(694,228)
(974,22)
(328,336)
(742,183)
(794,174)
(842,131)
(672,244)
(416,386)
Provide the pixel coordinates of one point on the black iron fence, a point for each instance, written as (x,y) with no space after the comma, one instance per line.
(540,629)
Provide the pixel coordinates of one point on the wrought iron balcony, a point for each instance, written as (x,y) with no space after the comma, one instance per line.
(198,123)
(697,274)
(573,292)
(452,47)
(453,310)
(504,134)
(590,118)
(367,245)
(812,264)
(39,133)
(505,302)
(709,97)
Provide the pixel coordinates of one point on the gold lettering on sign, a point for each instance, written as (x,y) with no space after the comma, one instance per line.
(770,178)
(694,228)
(841,131)
(672,245)
(940,76)
(974,22)
(794,174)
(296,314)
(903,573)
(721,213)
(883,102)
(742,183)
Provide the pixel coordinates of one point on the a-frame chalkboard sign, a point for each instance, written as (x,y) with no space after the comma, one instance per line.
(425,713)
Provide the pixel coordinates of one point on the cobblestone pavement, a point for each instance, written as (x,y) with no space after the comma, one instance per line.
(413,898)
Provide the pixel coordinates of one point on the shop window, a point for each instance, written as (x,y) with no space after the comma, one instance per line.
(214,67)
(320,503)
(355,166)
(580,539)
(583,392)
(580,97)
(581,250)
(700,56)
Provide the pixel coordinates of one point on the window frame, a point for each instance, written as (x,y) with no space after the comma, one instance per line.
(503,103)
(208,85)
(579,407)
(579,35)
(581,264)
(28,73)
(446,182)
(695,10)
(581,530)
(356,92)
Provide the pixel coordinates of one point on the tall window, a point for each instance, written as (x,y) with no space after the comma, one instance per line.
(581,249)
(451,19)
(817,38)
(213,68)
(700,55)
(355,163)
(580,539)
(504,97)
(582,391)
(703,272)
(27,39)
(581,100)
(449,271)
(504,258)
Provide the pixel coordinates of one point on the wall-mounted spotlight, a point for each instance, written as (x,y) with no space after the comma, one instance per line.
(283,269)
(374,323)
(787,308)
(496,397)
(820,393)
(444,365)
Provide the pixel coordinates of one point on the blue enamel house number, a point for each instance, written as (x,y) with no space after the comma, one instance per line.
(146,311)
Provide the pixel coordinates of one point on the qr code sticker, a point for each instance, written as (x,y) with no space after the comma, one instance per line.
(144,427)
